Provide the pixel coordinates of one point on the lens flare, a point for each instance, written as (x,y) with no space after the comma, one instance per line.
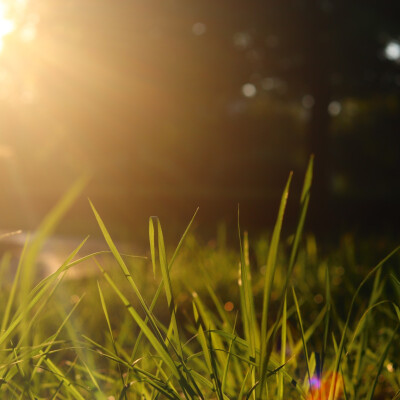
(320,387)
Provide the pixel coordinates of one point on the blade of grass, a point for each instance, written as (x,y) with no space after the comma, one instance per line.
(230,349)
(99,395)
(380,364)
(157,344)
(54,337)
(11,296)
(206,351)
(46,228)
(167,285)
(303,339)
(248,314)
(269,278)
(69,387)
(244,383)
(125,270)
(304,202)
(35,295)
(160,286)
(104,307)
(283,349)
(332,389)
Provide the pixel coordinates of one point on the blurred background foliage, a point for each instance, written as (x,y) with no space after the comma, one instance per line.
(174,104)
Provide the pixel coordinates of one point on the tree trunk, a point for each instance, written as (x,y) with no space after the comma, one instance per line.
(319,145)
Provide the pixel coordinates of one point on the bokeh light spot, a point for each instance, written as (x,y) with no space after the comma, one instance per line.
(308,101)
(249,90)
(334,108)
(392,51)
(268,83)
(229,306)
(242,40)
(199,28)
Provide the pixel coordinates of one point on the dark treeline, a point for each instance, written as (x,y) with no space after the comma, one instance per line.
(174,104)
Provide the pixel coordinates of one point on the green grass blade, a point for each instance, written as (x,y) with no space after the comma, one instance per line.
(214,367)
(54,337)
(125,271)
(360,323)
(332,389)
(66,383)
(303,339)
(99,395)
(168,286)
(35,295)
(283,348)
(105,311)
(304,202)
(160,286)
(244,382)
(152,245)
(203,344)
(157,344)
(230,350)
(11,297)
(380,364)
(46,228)
(269,278)
(248,314)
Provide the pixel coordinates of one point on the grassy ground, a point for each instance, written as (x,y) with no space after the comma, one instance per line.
(269,320)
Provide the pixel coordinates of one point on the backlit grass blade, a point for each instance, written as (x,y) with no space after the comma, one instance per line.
(243,344)
(154,341)
(360,323)
(310,330)
(182,239)
(168,289)
(327,315)
(248,314)
(11,296)
(125,270)
(219,307)
(9,234)
(332,389)
(206,383)
(99,395)
(208,319)
(304,202)
(230,350)
(283,348)
(214,367)
(204,346)
(244,383)
(46,228)
(105,311)
(303,339)
(160,286)
(167,285)
(380,364)
(66,383)
(35,295)
(157,344)
(152,245)
(54,337)
(22,337)
(269,278)
(360,328)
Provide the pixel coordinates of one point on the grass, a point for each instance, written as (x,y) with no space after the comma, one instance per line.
(269,321)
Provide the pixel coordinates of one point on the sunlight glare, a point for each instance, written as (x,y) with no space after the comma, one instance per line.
(7,25)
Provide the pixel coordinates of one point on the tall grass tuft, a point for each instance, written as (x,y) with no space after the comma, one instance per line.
(180,325)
